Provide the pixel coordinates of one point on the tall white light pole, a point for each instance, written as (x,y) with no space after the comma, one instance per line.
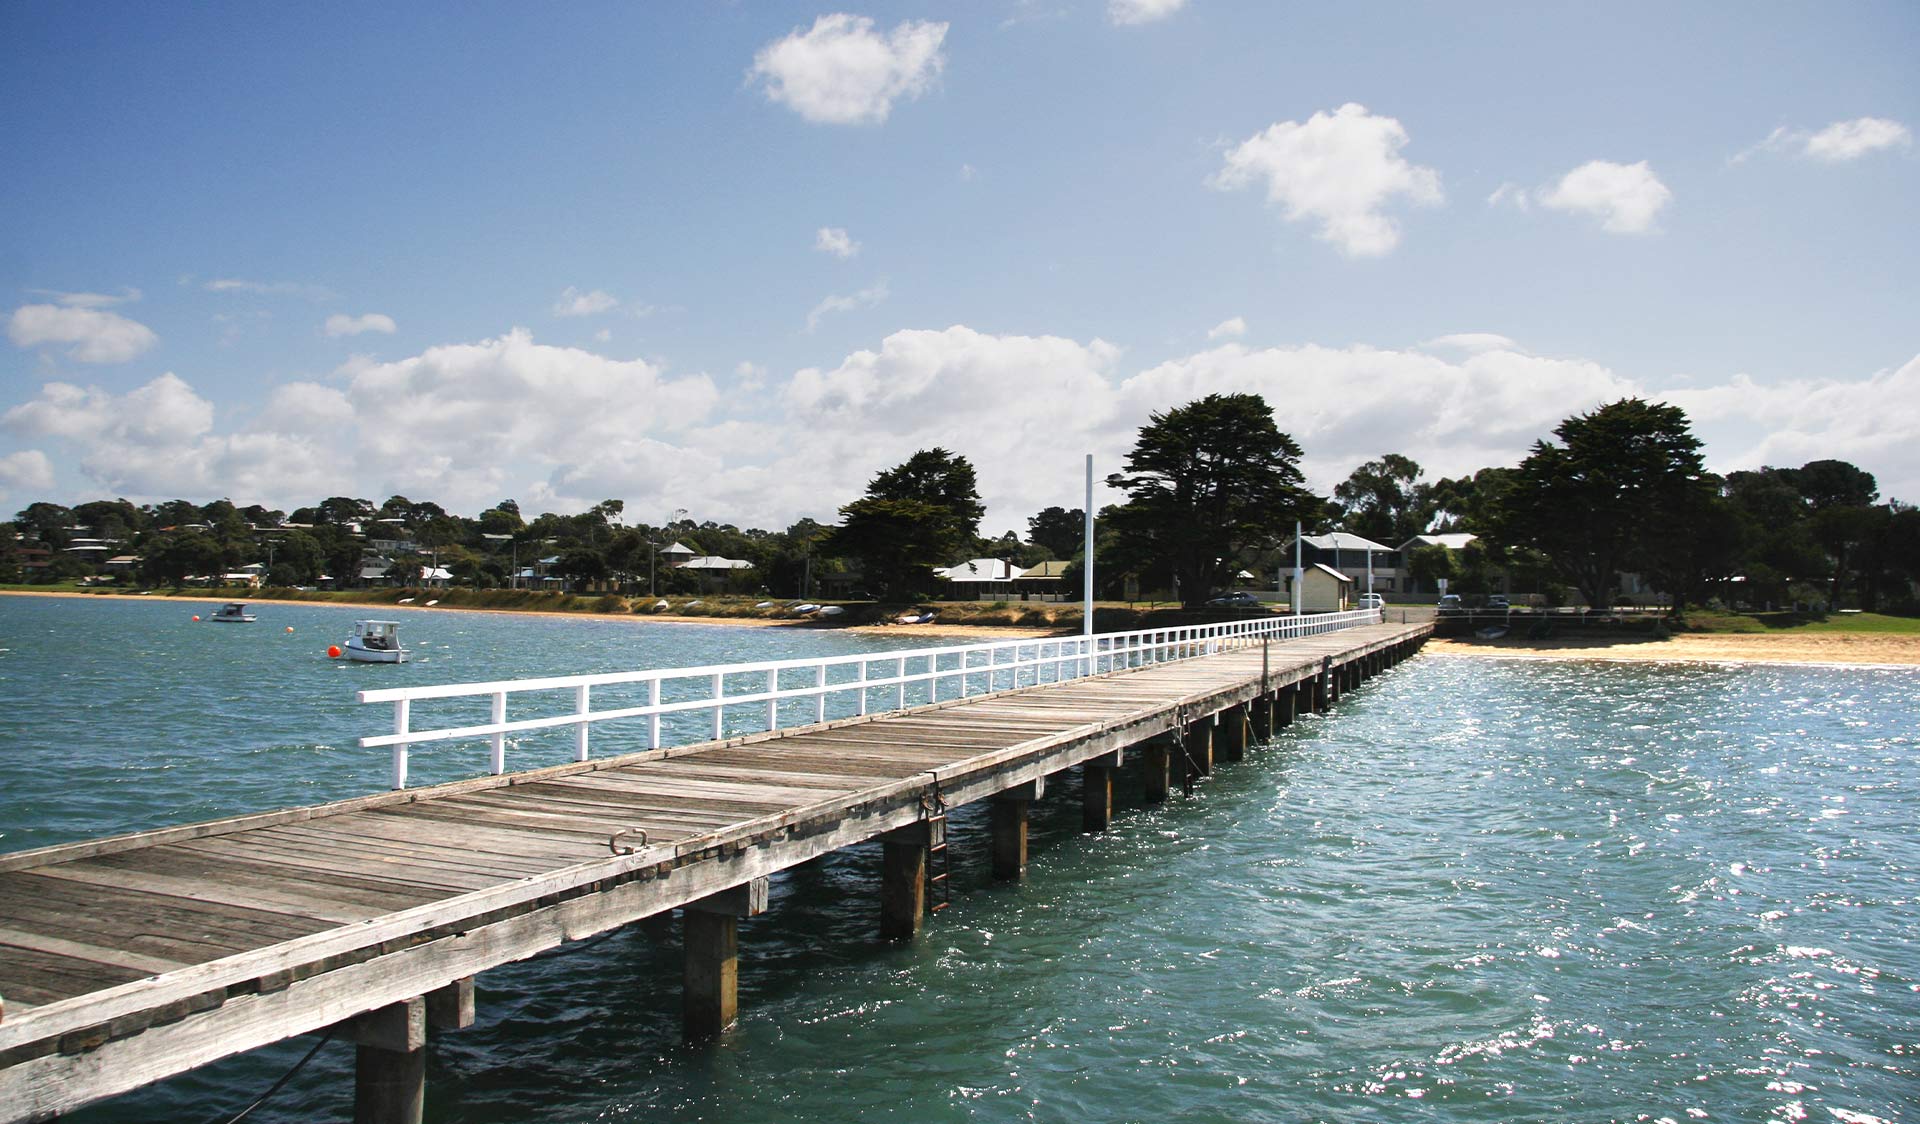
(1299,574)
(1086,568)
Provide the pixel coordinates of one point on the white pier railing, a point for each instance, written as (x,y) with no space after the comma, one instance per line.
(722,700)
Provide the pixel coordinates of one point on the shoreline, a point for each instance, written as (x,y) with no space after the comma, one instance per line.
(1857,650)
(932,629)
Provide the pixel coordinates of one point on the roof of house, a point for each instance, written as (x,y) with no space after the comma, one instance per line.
(714,562)
(1050,569)
(1342,540)
(435,573)
(1454,540)
(1330,571)
(678,548)
(980,570)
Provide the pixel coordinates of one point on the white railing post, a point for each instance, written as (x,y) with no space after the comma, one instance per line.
(863,688)
(900,673)
(498,760)
(584,708)
(653,720)
(400,711)
(773,703)
(719,708)
(820,700)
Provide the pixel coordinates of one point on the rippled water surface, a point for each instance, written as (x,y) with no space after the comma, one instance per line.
(1476,891)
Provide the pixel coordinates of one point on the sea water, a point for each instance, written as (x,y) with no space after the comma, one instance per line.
(1475,891)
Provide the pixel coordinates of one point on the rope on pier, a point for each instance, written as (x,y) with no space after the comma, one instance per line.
(284,1078)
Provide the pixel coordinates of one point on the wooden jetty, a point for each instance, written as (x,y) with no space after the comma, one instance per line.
(129,959)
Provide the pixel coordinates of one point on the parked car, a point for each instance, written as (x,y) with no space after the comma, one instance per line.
(1237,599)
(1372,601)
(1449,603)
(1498,601)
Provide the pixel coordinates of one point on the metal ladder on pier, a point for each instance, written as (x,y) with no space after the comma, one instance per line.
(933,811)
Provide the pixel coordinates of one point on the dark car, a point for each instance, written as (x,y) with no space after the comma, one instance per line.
(1237,599)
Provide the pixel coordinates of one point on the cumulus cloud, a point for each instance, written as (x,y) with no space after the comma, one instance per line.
(27,472)
(865,298)
(1340,170)
(340,324)
(1126,12)
(573,302)
(1838,143)
(843,72)
(1228,329)
(834,240)
(1626,198)
(95,335)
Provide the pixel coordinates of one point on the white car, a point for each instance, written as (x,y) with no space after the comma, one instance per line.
(1372,601)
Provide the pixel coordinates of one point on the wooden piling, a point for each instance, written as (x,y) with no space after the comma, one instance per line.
(903,881)
(1155,767)
(390,1063)
(1233,734)
(1010,810)
(1097,795)
(1200,747)
(710,929)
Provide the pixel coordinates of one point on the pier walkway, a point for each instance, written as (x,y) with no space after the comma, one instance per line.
(129,959)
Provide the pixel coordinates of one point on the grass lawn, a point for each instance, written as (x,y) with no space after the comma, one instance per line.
(1876,623)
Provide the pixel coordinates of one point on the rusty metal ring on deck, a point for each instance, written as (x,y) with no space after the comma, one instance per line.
(613,841)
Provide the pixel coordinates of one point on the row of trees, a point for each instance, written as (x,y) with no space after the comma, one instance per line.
(1212,487)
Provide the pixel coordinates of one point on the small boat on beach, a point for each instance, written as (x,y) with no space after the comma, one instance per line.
(375,642)
(233,612)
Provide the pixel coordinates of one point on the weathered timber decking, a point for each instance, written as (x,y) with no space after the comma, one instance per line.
(129,959)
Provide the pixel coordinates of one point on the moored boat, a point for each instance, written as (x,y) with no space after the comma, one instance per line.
(375,642)
(233,612)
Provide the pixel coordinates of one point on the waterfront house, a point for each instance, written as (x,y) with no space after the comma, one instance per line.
(1323,589)
(1355,556)
(980,579)
(1045,582)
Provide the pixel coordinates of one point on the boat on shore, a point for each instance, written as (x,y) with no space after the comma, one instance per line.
(233,612)
(375,642)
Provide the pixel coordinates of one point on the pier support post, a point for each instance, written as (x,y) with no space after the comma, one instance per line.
(1286,706)
(1097,799)
(390,1063)
(1260,715)
(1155,765)
(1010,829)
(903,880)
(1233,734)
(710,931)
(1200,746)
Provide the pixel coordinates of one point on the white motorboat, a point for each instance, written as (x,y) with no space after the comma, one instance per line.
(375,642)
(233,612)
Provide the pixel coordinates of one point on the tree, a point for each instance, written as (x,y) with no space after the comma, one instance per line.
(1205,482)
(48,522)
(177,555)
(1841,496)
(342,510)
(915,516)
(1059,531)
(1429,565)
(1612,496)
(1384,500)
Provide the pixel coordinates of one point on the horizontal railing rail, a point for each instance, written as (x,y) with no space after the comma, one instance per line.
(845,685)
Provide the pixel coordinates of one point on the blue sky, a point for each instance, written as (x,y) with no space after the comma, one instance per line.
(736,259)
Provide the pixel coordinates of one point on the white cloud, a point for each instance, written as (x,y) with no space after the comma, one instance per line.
(268,288)
(90,300)
(1228,329)
(1125,12)
(1626,198)
(865,298)
(573,302)
(27,472)
(1340,170)
(834,240)
(96,336)
(841,72)
(1850,140)
(1510,195)
(1838,143)
(340,324)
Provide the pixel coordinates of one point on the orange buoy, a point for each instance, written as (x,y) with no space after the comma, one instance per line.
(196,616)
(333,652)
(289,628)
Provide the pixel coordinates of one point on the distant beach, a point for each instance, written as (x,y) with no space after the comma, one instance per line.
(1847,649)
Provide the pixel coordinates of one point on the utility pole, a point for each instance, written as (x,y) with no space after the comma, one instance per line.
(1086,576)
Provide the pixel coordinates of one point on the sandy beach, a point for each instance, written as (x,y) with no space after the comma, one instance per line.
(1843,649)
